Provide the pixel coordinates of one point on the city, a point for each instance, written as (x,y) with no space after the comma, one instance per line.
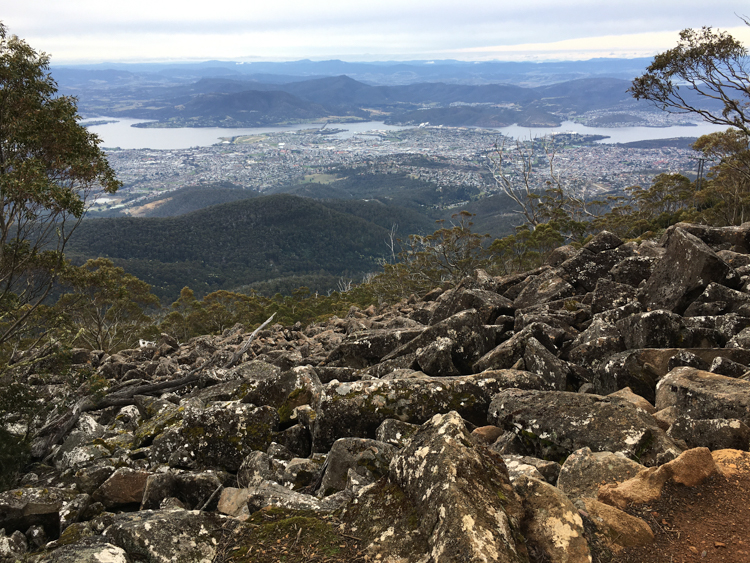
(444,156)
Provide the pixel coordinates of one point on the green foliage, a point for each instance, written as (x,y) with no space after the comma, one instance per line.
(670,199)
(725,197)
(709,63)
(426,262)
(526,249)
(106,305)
(221,310)
(48,166)
(232,245)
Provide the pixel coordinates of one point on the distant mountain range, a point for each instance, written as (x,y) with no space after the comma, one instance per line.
(232,103)
(228,94)
(115,75)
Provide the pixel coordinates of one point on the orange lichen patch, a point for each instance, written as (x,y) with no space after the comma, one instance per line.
(732,462)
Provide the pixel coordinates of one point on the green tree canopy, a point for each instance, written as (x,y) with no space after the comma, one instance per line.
(107,307)
(49,164)
(706,62)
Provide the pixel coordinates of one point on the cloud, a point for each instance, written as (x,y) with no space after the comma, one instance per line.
(293,29)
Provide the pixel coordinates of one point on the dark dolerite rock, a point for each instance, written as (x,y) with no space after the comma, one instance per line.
(358,408)
(170,535)
(509,352)
(537,359)
(609,295)
(466,329)
(586,268)
(395,432)
(466,506)
(654,329)
(684,272)
(594,346)
(285,391)
(436,358)
(543,288)
(429,430)
(22,508)
(632,270)
(714,434)
(725,366)
(584,471)
(555,424)
(736,239)
(488,304)
(363,350)
(218,436)
(604,240)
(717,299)
(367,458)
(701,395)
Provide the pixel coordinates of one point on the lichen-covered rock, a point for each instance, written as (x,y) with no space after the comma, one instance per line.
(632,270)
(13,547)
(585,471)
(714,434)
(506,354)
(219,436)
(260,494)
(609,295)
(549,470)
(546,287)
(686,269)
(725,366)
(395,432)
(356,409)
(596,344)
(436,358)
(704,395)
(368,458)
(23,508)
(552,525)
(653,329)
(717,299)
(537,359)
(286,391)
(488,304)
(93,549)
(169,535)
(555,424)
(362,350)
(302,473)
(467,508)
(586,268)
(466,328)
(259,464)
(734,237)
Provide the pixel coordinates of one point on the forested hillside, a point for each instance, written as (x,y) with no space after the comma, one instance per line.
(246,241)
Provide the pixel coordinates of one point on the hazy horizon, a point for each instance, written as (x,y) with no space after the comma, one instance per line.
(88,32)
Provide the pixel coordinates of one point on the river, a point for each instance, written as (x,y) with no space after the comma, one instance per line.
(120,134)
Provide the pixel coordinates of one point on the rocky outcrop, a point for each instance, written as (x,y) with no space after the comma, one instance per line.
(491,421)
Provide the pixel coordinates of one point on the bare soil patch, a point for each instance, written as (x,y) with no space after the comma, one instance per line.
(708,523)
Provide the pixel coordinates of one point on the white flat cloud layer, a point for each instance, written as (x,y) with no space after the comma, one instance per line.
(359,30)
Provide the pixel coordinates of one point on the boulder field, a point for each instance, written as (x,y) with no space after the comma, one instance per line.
(507,419)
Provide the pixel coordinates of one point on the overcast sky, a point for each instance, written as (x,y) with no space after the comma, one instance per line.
(359,30)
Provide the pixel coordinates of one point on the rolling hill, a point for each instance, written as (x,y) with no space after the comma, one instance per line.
(246,241)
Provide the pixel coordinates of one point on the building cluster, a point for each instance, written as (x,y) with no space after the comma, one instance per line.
(441,155)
